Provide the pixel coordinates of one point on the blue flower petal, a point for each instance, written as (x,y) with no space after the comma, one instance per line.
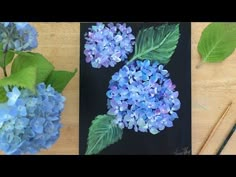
(153,131)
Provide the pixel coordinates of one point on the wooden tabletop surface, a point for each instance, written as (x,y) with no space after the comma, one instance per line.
(213,87)
(59,43)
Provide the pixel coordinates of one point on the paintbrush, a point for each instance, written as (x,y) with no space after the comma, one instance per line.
(215,127)
(227,139)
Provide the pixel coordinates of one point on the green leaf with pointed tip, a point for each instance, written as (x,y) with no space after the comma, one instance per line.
(157,43)
(29,59)
(217,42)
(3,97)
(25,78)
(59,79)
(102,133)
(9,56)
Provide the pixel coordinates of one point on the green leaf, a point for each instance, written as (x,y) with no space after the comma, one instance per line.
(157,43)
(102,133)
(3,97)
(9,57)
(25,78)
(28,59)
(59,79)
(217,42)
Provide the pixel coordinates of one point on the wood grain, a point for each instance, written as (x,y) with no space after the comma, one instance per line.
(60,44)
(213,87)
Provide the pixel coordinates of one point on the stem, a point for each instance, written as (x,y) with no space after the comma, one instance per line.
(5,54)
(199,64)
(4,61)
(132,59)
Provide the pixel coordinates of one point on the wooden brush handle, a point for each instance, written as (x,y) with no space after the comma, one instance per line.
(214,128)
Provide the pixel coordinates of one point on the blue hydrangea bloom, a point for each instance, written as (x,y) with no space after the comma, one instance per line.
(107,45)
(18,36)
(30,122)
(13,96)
(142,97)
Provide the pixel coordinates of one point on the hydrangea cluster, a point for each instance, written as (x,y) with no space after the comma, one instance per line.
(29,122)
(108,45)
(18,36)
(141,96)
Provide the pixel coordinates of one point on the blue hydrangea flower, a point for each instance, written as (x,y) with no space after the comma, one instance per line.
(13,96)
(107,45)
(30,122)
(18,36)
(142,97)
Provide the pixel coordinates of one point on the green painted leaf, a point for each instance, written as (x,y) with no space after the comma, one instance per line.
(217,42)
(25,78)
(157,43)
(102,133)
(59,79)
(28,59)
(3,97)
(9,57)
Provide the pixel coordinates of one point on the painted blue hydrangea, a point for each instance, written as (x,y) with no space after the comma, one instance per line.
(141,96)
(107,45)
(30,122)
(18,36)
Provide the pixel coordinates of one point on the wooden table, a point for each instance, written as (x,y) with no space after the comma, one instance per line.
(213,87)
(60,43)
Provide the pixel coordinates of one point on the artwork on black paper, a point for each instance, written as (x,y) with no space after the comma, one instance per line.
(135,88)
